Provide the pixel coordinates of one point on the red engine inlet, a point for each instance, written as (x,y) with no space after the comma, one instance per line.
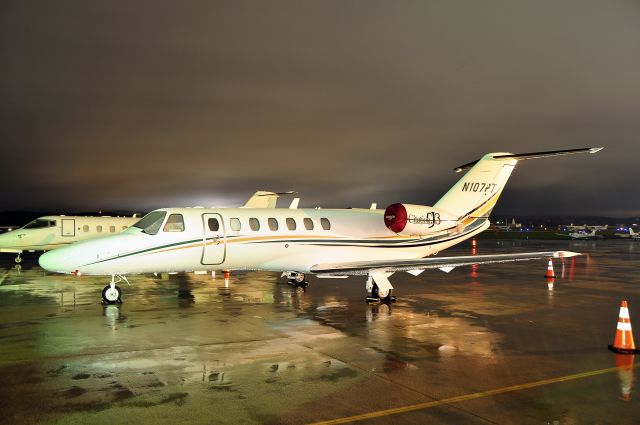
(395,217)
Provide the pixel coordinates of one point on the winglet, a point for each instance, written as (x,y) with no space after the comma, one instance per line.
(565,254)
(265,199)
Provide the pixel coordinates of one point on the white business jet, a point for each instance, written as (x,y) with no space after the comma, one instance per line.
(581,234)
(55,231)
(325,242)
(630,235)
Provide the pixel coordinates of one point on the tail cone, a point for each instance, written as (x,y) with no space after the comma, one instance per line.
(623,342)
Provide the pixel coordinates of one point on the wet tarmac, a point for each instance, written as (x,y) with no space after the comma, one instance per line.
(490,344)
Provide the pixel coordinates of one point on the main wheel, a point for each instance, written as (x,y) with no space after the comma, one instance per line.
(374,291)
(299,278)
(111,295)
(373,296)
(18,260)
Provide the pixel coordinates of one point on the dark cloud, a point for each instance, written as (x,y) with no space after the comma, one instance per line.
(147,104)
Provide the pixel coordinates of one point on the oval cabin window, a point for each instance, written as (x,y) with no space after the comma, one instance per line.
(214,224)
(308,223)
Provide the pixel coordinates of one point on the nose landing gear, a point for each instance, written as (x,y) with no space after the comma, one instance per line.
(111,293)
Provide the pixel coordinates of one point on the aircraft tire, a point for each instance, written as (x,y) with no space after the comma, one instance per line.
(111,296)
(374,291)
(18,260)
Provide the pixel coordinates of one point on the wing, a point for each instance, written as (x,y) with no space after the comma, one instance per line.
(444,263)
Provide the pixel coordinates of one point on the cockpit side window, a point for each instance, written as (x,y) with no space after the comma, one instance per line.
(175,223)
(40,223)
(150,223)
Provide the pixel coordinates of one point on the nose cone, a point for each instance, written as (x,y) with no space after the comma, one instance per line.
(8,240)
(56,261)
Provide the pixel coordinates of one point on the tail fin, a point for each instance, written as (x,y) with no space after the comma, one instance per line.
(477,192)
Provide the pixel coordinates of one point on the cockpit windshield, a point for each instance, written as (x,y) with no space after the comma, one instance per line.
(151,222)
(40,223)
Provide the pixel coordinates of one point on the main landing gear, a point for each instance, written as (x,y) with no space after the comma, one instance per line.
(296,279)
(379,293)
(18,259)
(111,293)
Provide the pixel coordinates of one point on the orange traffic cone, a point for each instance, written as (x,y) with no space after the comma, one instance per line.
(550,274)
(225,290)
(623,342)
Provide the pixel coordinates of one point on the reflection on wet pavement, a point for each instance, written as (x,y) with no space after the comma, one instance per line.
(178,349)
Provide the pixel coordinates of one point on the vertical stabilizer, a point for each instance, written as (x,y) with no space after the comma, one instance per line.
(478,190)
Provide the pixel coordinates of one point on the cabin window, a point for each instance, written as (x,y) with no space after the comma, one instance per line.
(40,223)
(85,228)
(112,229)
(254,224)
(235,224)
(98,229)
(175,223)
(150,223)
(273,224)
(308,223)
(324,222)
(214,224)
(291,224)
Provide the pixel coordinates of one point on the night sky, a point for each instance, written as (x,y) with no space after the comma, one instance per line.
(139,105)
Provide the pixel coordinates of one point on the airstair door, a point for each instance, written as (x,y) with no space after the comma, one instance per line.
(214,243)
(68,227)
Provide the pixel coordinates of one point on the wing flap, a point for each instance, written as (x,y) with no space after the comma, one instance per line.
(364,267)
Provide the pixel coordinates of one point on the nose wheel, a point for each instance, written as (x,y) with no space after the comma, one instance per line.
(111,293)
(18,259)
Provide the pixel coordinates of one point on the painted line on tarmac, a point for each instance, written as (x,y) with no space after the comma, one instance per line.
(472,396)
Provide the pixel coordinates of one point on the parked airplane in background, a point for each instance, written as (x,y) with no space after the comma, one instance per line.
(630,235)
(582,235)
(327,243)
(573,227)
(55,231)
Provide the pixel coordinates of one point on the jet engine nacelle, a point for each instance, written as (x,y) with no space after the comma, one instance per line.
(419,220)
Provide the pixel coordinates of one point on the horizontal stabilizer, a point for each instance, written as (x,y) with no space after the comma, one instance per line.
(531,155)
(365,267)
